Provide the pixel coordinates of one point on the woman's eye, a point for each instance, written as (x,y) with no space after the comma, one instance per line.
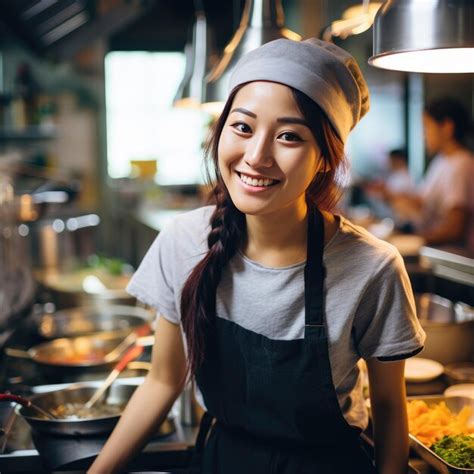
(241,127)
(290,137)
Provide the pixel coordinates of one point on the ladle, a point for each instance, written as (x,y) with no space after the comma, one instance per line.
(131,354)
(8,397)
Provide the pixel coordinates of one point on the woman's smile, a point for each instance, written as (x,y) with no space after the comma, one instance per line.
(268,156)
(256,183)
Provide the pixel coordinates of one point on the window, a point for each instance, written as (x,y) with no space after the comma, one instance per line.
(141,121)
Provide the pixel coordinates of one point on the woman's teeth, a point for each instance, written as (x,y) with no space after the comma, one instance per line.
(256,182)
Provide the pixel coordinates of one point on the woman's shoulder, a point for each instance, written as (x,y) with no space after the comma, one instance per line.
(195,221)
(357,246)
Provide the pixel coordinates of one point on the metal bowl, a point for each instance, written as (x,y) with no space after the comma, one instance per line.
(81,321)
(118,394)
(455,404)
(67,291)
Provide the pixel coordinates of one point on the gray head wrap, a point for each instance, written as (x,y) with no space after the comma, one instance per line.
(321,70)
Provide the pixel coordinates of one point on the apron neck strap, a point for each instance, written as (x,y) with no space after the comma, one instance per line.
(314,274)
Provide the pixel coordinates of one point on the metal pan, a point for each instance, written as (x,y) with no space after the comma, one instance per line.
(455,404)
(85,320)
(65,288)
(77,352)
(119,394)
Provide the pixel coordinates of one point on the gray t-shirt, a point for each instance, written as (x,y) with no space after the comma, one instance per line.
(369,305)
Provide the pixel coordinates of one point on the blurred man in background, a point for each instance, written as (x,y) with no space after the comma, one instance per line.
(442,208)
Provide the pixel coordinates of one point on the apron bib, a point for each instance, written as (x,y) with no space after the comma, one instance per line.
(273,401)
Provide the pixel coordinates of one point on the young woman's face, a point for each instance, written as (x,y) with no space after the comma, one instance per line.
(267,154)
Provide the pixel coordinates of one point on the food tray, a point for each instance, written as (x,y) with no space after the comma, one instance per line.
(455,404)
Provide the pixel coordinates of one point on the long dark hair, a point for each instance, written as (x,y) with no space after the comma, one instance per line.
(228,225)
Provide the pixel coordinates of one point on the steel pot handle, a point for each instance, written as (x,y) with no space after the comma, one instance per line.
(17,353)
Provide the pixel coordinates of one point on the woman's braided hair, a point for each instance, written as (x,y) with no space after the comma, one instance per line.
(228,225)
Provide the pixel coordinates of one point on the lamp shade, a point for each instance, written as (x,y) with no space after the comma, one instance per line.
(190,92)
(431,36)
(262,21)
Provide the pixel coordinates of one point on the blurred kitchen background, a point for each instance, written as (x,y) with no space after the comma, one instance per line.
(97,150)
(102,130)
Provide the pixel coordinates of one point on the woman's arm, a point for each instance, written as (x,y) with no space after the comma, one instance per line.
(149,404)
(387,397)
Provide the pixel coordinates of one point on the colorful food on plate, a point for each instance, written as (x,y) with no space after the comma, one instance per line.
(431,423)
(75,358)
(456,450)
(77,411)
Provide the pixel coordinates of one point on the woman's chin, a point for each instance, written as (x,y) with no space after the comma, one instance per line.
(250,208)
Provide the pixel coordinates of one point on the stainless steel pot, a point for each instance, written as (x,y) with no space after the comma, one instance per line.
(80,321)
(119,394)
(65,292)
(449,335)
(84,352)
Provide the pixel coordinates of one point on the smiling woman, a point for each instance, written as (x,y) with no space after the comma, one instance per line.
(275,145)
(278,298)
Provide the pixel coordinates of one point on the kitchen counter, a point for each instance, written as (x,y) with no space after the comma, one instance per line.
(453,263)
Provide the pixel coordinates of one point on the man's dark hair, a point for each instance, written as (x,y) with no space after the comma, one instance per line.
(451,109)
(399,153)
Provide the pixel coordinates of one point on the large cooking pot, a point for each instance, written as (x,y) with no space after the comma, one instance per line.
(449,329)
(84,352)
(80,321)
(85,287)
(78,394)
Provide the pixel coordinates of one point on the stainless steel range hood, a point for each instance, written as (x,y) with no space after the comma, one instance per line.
(60,28)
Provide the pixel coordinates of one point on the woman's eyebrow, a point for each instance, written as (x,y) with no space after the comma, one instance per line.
(244,111)
(295,120)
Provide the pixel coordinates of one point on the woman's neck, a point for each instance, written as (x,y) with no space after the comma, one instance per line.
(277,239)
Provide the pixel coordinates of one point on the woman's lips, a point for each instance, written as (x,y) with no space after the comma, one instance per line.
(256,183)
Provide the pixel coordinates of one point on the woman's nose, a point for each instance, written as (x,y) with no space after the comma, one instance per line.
(259,152)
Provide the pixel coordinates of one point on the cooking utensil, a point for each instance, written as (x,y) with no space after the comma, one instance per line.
(460,390)
(130,355)
(8,397)
(85,320)
(66,287)
(130,340)
(448,337)
(84,352)
(419,369)
(462,372)
(79,393)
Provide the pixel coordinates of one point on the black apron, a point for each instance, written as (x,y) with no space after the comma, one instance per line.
(273,401)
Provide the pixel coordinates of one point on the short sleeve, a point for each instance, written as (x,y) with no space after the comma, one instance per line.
(152,283)
(386,325)
(460,182)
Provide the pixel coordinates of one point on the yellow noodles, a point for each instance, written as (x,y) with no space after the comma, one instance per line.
(430,424)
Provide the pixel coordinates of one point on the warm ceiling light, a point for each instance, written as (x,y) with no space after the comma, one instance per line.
(431,36)
(365,8)
(355,20)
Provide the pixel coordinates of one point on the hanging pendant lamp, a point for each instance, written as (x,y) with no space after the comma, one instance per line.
(262,21)
(190,92)
(355,20)
(430,36)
